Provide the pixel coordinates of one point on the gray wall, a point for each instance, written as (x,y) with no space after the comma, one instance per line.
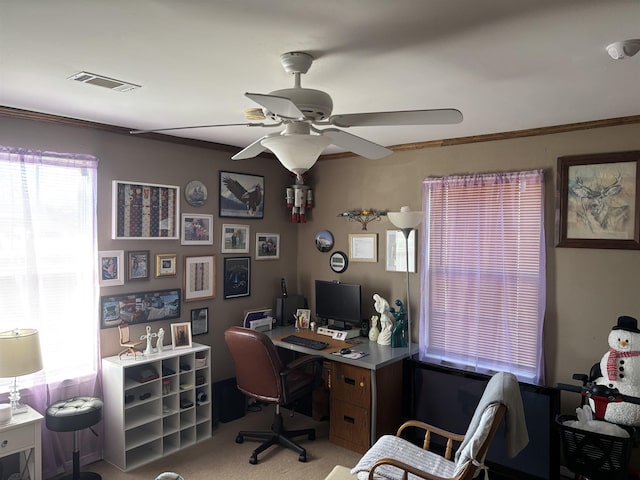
(587,289)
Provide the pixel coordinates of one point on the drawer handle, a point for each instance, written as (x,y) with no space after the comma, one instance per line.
(349,381)
(5,443)
(350,420)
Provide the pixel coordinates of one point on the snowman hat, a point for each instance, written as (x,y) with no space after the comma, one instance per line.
(628,324)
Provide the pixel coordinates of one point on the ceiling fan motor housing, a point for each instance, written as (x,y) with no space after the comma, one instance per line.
(315,104)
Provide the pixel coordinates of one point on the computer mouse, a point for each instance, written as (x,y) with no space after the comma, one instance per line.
(345,351)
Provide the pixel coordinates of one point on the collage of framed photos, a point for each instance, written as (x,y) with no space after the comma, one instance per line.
(147,211)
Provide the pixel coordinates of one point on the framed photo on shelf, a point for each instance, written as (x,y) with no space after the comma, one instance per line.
(598,201)
(199,277)
(241,195)
(145,211)
(235,238)
(166,265)
(397,251)
(138,264)
(199,321)
(181,335)
(363,247)
(111,267)
(140,307)
(267,246)
(237,277)
(197,229)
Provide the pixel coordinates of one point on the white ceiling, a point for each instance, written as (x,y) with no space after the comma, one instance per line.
(507,65)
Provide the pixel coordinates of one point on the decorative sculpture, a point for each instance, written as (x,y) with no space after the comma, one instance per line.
(399,332)
(160,342)
(149,350)
(386,322)
(374,331)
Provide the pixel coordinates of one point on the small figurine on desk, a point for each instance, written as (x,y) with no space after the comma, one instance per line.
(149,350)
(160,342)
(399,332)
(374,331)
(382,307)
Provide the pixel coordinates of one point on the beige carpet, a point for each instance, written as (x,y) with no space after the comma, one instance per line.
(220,457)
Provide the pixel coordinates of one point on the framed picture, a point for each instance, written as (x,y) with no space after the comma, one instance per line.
(111,267)
(241,195)
(145,211)
(267,246)
(181,335)
(397,251)
(199,321)
(199,277)
(303,315)
(597,201)
(197,229)
(166,265)
(138,265)
(237,277)
(141,307)
(363,247)
(235,238)
(195,193)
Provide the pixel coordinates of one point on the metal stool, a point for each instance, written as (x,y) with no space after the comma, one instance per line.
(72,415)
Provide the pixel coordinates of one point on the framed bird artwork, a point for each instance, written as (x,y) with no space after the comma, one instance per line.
(241,195)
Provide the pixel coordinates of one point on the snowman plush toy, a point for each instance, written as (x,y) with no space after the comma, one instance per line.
(620,369)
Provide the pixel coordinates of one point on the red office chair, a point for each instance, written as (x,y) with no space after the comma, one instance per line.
(261,374)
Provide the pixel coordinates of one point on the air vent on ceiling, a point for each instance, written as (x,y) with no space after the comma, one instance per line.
(102,81)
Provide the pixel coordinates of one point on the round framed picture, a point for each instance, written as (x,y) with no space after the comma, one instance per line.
(324,240)
(195,193)
(338,262)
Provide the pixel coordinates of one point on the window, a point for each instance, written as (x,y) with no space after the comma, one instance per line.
(48,258)
(483,277)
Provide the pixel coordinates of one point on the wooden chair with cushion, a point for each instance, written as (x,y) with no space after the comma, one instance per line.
(260,374)
(393,457)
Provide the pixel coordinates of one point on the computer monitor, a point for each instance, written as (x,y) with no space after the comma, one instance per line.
(338,303)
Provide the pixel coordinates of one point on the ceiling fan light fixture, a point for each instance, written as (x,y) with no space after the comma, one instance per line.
(297,153)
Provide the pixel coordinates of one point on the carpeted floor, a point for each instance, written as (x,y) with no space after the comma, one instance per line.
(220,457)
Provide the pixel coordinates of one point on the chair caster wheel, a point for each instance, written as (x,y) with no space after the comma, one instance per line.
(253,460)
(312,436)
(239,439)
(302,457)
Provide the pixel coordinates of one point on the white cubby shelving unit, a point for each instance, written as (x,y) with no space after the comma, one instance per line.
(155,405)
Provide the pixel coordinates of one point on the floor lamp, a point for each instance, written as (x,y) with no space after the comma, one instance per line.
(407,221)
(19,355)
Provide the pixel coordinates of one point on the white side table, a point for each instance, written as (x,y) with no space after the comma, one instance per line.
(22,434)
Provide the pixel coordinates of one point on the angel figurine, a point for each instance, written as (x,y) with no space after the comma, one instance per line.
(160,342)
(382,307)
(149,350)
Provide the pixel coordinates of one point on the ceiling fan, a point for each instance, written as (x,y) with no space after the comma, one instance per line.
(301,110)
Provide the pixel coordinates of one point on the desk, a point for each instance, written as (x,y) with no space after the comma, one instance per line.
(365,393)
(22,434)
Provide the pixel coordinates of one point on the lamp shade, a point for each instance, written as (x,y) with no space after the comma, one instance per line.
(296,152)
(405,218)
(20,352)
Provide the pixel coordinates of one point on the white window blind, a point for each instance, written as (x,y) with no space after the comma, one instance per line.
(483,281)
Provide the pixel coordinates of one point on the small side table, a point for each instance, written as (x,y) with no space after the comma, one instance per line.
(22,434)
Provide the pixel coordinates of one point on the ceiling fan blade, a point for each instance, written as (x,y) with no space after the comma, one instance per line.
(156,130)
(251,151)
(356,144)
(283,107)
(407,117)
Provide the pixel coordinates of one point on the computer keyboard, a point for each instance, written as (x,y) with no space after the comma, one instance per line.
(305,342)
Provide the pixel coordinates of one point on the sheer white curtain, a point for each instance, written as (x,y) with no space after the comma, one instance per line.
(483,277)
(48,281)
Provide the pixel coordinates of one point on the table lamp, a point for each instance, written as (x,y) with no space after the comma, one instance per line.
(406,220)
(19,355)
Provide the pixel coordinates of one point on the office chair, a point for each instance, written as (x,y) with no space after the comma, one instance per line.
(501,398)
(261,375)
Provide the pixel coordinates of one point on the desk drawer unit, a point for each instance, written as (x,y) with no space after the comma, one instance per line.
(16,440)
(350,424)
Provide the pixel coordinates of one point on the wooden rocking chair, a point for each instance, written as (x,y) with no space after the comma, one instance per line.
(125,341)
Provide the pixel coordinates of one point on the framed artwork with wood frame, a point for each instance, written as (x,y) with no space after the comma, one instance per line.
(363,247)
(138,264)
(166,265)
(597,201)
